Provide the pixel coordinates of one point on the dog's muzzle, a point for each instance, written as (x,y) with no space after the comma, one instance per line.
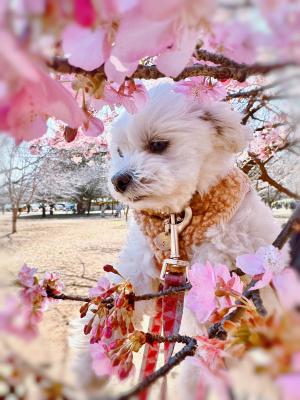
(121,181)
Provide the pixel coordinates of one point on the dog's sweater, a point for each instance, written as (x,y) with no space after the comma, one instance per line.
(217,206)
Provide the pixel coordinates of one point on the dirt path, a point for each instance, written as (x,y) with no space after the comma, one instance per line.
(77,247)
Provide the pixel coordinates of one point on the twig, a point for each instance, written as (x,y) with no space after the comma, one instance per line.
(287,230)
(163,293)
(133,297)
(69,297)
(188,350)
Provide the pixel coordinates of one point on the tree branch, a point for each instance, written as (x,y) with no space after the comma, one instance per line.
(188,350)
(228,69)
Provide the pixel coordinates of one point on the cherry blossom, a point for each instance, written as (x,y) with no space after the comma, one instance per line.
(31,95)
(287,285)
(84,12)
(121,352)
(16,320)
(209,358)
(235,40)
(22,313)
(85,47)
(26,275)
(289,385)
(263,265)
(115,318)
(283,18)
(101,362)
(201,89)
(213,287)
(53,284)
(170,32)
(102,286)
(268,142)
(133,96)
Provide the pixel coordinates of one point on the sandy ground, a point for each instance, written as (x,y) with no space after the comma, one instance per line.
(77,247)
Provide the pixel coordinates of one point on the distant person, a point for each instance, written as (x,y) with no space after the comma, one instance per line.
(51,208)
(43,207)
(118,212)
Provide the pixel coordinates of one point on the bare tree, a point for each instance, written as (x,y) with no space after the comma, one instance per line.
(18,176)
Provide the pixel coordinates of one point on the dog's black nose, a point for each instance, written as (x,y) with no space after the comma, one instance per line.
(121,181)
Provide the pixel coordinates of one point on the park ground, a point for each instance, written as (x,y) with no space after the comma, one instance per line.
(75,246)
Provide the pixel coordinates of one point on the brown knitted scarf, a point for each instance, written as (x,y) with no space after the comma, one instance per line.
(213,208)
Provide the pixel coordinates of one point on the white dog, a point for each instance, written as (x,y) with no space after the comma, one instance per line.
(160,157)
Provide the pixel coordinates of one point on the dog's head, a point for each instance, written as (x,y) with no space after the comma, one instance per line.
(173,147)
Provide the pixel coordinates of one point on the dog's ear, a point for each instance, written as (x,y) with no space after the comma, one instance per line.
(228,133)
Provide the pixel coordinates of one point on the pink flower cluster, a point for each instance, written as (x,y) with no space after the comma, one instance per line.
(128,31)
(29,95)
(267,266)
(283,20)
(235,40)
(112,336)
(108,319)
(116,358)
(201,89)
(210,359)
(22,313)
(267,142)
(214,291)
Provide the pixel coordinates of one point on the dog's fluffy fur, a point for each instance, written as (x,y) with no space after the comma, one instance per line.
(204,141)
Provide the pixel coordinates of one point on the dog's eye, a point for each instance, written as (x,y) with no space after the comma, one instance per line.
(158,146)
(120,153)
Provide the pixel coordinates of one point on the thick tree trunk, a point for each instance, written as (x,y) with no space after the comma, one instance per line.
(14,219)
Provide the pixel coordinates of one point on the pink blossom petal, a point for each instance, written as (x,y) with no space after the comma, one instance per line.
(54,100)
(172,61)
(84,12)
(84,46)
(101,364)
(102,286)
(222,271)
(117,71)
(110,9)
(272,258)
(23,120)
(95,127)
(289,385)
(161,10)
(35,7)
(250,264)
(15,58)
(26,275)
(287,284)
(201,298)
(264,281)
(134,44)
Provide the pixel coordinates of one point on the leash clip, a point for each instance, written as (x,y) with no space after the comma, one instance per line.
(174,264)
